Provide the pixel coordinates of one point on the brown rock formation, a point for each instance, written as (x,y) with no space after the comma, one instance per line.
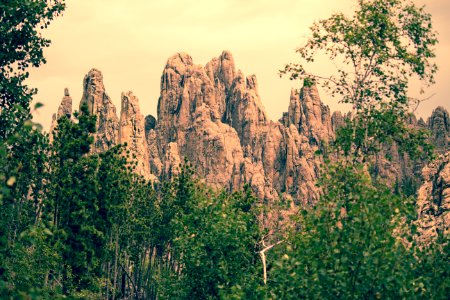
(433,200)
(214,117)
(337,120)
(311,117)
(64,109)
(189,117)
(439,125)
(156,166)
(132,133)
(100,105)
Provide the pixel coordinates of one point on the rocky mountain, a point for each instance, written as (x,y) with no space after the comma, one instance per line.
(213,116)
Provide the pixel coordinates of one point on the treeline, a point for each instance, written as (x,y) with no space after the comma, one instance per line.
(84,226)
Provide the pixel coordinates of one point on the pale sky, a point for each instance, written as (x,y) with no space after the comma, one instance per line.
(130,42)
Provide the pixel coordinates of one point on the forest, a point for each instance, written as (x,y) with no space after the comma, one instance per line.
(81,225)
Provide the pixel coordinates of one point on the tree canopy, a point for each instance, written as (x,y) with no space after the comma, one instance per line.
(22,43)
(377,51)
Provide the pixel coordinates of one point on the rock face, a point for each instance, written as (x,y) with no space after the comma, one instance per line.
(100,105)
(64,109)
(214,117)
(130,129)
(132,133)
(439,125)
(189,125)
(309,115)
(433,200)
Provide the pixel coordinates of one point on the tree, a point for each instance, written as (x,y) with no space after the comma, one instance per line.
(381,47)
(359,239)
(22,47)
(214,245)
(24,255)
(73,205)
(350,245)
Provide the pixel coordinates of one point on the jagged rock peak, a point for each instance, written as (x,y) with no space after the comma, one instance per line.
(100,105)
(222,69)
(184,88)
(439,125)
(244,109)
(93,89)
(294,112)
(309,115)
(65,108)
(337,120)
(421,122)
(221,72)
(179,62)
(132,132)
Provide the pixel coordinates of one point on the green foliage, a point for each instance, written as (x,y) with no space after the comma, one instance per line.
(25,255)
(356,243)
(381,47)
(22,47)
(432,271)
(74,203)
(215,243)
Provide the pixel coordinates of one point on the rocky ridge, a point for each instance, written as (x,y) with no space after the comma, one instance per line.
(213,116)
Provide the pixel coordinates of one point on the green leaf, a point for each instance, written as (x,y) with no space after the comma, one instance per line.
(38,105)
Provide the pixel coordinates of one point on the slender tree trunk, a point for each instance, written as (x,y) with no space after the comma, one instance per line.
(107,279)
(115,262)
(262,253)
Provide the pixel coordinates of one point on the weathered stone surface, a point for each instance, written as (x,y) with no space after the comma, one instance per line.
(433,201)
(221,71)
(309,115)
(156,166)
(337,120)
(439,125)
(397,168)
(132,133)
(64,109)
(100,105)
(189,124)
(214,117)
(246,114)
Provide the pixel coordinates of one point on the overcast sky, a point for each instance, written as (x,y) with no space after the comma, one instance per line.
(130,42)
